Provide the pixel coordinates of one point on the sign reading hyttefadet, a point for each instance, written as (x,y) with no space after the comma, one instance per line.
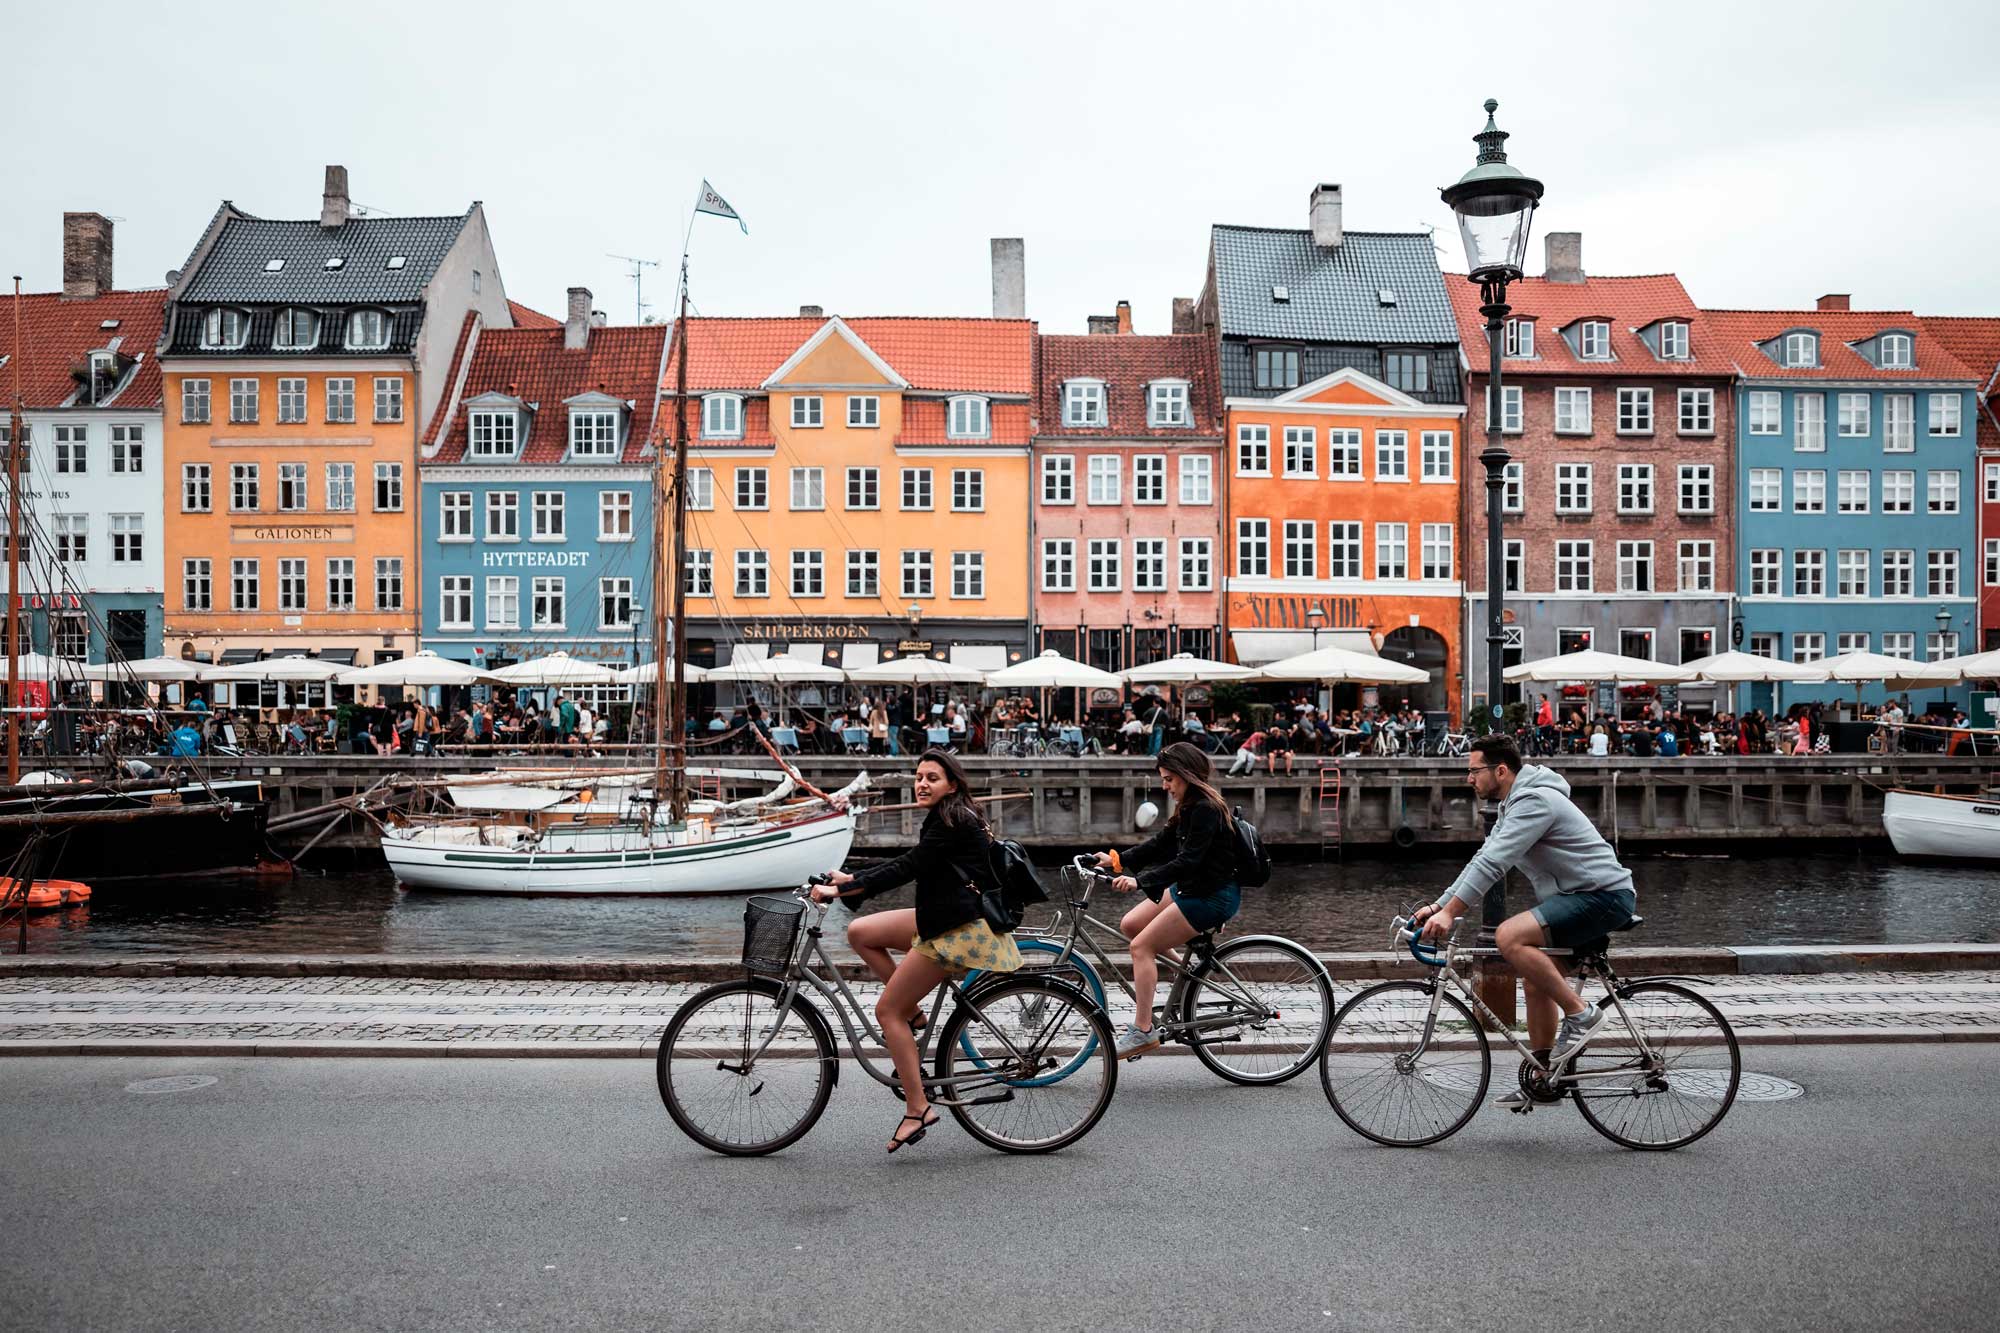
(534,559)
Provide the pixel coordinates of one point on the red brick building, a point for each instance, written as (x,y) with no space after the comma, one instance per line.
(1619,517)
(1976,342)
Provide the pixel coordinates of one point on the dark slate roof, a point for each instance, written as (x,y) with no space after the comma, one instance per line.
(1334,293)
(233,270)
(184,333)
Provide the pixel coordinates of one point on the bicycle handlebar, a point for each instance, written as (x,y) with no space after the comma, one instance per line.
(1404,932)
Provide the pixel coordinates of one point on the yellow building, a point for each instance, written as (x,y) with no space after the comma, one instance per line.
(858,489)
(301,362)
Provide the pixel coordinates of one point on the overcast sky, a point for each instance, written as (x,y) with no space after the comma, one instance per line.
(1767,152)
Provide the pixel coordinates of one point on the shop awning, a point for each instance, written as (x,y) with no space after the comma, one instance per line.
(979,656)
(748,652)
(344,656)
(234,655)
(857,655)
(1256,647)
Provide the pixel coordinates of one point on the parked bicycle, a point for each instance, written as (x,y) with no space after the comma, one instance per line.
(1406,1064)
(1255,1009)
(747,1066)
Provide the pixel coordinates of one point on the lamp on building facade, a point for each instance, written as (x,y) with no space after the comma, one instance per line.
(1944,625)
(1495,205)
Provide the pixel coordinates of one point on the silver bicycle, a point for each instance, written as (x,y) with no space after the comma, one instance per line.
(1407,1064)
(747,1066)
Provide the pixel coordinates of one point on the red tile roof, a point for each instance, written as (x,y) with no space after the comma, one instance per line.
(1976,343)
(993,356)
(756,425)
(525,318)
(532,365)
(924,423)
(1741,331)
(1127,363)
(1627,304)
(57,334)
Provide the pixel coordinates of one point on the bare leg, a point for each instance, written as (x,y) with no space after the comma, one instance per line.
(915,977)
(1520,940)
(1168,930)
(871,937)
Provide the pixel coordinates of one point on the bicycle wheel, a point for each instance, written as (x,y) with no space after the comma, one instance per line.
(1382,1087)
(1667,1086)
(1024,1028)
(718,1095)
(1274,1004)
(1038,958)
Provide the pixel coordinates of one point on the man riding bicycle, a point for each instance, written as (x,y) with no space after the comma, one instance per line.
(1583,892)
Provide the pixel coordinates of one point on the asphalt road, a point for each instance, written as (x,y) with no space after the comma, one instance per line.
(463,1194)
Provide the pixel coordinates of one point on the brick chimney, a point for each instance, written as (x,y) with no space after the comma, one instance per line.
(86,255)
(1010,277)
(1096,324)
(1124,316)
(812,312)
(333,202)
(1835,301)
(1563,251)
(1325,216)
(1184,315)
(576,328)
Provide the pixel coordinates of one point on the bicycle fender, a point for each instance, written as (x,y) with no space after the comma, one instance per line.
(1062,987)
(1318,962)
(813,1017)
(1625,984)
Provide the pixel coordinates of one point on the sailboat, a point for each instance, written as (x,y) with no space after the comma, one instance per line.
(631,832)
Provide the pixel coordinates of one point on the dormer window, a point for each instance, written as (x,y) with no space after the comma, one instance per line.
(1673,341)
(394,262)
(334,262)
(1802,349)
(1593,340)
(1520,338)
(1896,352)
(969,419)
(1083,403)
(1167,403)
(296,330)
(368,329)
(494,434)
(593,433)
(224,329)
(274,266)
(722,416)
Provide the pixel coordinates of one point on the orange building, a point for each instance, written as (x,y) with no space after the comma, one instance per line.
(302,360)
(1342,496)
(858,489)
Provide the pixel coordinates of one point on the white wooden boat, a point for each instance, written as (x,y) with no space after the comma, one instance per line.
(1964,828)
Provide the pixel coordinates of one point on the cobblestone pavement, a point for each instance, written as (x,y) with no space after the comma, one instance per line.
(354,1015)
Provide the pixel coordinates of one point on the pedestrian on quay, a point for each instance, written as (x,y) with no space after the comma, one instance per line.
(1249,744)
(1188,873)
(945,935)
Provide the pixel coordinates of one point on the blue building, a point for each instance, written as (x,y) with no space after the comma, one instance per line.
(1856,491)
(537,490)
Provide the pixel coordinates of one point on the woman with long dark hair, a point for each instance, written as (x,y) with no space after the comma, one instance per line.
(946,935)
(1187,870)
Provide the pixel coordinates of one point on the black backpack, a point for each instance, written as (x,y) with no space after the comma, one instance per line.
(1253,861)
(1016,887)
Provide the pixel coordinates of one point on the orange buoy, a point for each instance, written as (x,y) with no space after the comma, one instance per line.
(44,894)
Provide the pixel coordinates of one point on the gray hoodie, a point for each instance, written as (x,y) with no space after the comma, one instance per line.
(1542,834)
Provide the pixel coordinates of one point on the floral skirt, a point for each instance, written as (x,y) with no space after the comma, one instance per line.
(972,947)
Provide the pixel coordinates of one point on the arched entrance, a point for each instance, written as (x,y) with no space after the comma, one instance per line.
(1424,649)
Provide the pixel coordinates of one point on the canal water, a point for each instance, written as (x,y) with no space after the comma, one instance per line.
(1818,898)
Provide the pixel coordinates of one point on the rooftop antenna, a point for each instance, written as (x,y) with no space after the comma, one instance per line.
(639,267)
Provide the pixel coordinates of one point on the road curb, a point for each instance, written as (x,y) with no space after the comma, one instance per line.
(1740,960)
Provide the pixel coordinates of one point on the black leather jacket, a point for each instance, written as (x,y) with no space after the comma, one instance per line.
(1196,852)
(945,863)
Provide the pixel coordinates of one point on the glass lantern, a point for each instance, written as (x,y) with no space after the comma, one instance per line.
(1495,204)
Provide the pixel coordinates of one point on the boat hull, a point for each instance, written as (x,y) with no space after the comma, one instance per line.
(1962,829)
(624,860)
(177,844)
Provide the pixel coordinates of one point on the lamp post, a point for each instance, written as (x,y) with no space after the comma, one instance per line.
(1315,617)
(1495,204)
(1943,619)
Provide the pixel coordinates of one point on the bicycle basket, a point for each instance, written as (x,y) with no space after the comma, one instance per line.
(770,933)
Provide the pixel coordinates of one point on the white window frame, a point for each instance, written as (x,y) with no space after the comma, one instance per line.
(612,592)
(968,576)
(864,573)
(1084,404)
(1696,412)
(1058,564)
(968,417)
(1856,416)
(722,416)
(1512,412)
(1896,351)
(1635,488)
(1674,342)
(389,594)
(1941,573)
(864,411)
(1901,644)
(593,432)
(1149,564)
(1392,455)
(1253,548)
(1058,486)
(1103,479)
(1253,450)
(1104,561)
(454,597)
(1941,491)
(1767,572)
(243,401)
(224,329)
(246,584)
(752,489)
(1301,456)
(700,489)
(503,601)
(455,516)
(1808,572)
(1694,566)
(1344,447)
(388,491)
(1945,416)
(1899,572)
(1437,551)
(503,516)
(339,399)
(1899,491)
(1573,488)
(388,398)
(1576,565)
(294,494)
(1392,550)
(1593,340)
(197,489)
(1635,567)
(614,516)
(753,572)
(919,494)
(548,516)
(1635,411)
(1899,423)
(808,411)
(1149,479)
(1197,564)
(1434,454)
(195,404)
(698,575)
(369,330)
(918,574)
(1167,404)
(968,491)
(1299,544)
(548,603)
(1809,423)
(1801,350)
(863,489)
(494,433)
(1695,488)
(808,572)
(1519,340)
(1197,479)
(1854,491)
(1850,571)
(1573,411)
(808,489)
(1344,550)
(1514,488)
(1766,412)
(1808,646)
(291,400)
(1808,490)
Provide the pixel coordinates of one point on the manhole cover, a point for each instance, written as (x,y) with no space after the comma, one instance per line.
(177,1083)
(1692,1082)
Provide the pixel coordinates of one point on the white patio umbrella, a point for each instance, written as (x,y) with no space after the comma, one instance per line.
(424,668)
(557,668)
(1975,666)
(1186,669)
(1865,668)
(1592,665)
(778,670)
(144,668)
(40,666)
(648,673)
(1343,665)
(1734,668)
(917,670)
(1052,671)
(291,668)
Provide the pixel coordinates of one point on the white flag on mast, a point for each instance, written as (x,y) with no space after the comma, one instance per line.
(711,202)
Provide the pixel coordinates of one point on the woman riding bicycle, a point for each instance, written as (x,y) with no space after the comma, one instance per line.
(1187,869)
(946,935)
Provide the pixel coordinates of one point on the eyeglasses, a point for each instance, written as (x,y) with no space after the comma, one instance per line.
(1484,768)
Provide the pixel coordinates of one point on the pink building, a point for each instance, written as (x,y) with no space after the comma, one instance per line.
(1127,515)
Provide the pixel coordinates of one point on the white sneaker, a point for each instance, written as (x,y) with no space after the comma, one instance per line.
(1575,1031)
(1133,1043)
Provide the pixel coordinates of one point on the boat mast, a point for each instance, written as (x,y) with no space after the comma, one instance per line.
(15,435)
(671,745)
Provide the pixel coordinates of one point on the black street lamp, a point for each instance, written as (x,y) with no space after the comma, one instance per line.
(1495,204)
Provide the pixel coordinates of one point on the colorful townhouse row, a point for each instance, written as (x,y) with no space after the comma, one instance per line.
(337,436)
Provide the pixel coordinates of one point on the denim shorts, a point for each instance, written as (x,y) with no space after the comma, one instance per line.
(1212,912)
(1570,919)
